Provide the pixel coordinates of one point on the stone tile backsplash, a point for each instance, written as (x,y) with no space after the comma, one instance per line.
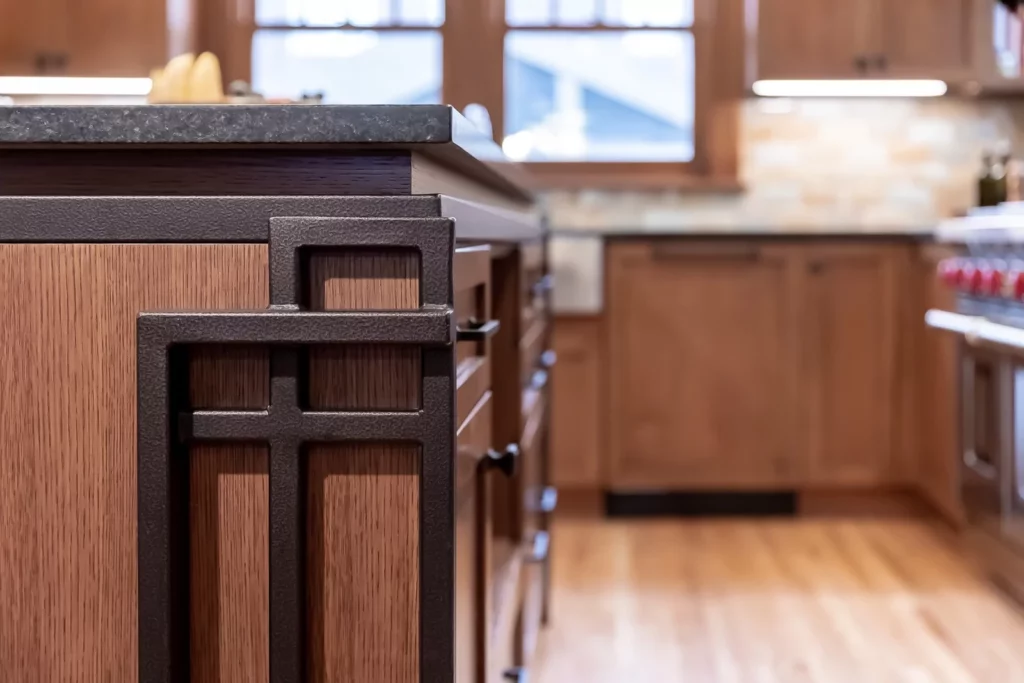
(825,164)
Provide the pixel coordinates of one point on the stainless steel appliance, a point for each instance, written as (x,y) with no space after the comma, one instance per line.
(989,321)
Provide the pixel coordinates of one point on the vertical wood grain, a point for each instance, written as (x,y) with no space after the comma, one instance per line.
(577,404)
(363,499)
(358,376)
(363,536)
(68,564)
(229,524)
(229,377)
(230,573)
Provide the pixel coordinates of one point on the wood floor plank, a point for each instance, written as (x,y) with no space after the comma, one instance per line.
(775,601)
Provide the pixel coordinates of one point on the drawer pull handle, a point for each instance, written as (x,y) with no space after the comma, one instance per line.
(516,674)
(506,461)
(478,331)
(548,499)
(548,359)
(539,550)
(539,380)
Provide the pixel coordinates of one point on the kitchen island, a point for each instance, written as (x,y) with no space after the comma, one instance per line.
(249,422)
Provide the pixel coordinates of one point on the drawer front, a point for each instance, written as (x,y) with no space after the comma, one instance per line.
(471,542)
(504,640)
(533,606)
(535,301)
(531,348)
(473,317)
(531,448)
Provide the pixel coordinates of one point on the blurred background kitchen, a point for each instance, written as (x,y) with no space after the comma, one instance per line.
(771,467)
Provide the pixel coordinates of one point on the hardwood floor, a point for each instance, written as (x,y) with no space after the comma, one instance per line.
(726,601)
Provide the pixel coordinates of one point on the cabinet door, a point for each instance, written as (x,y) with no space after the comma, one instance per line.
(850,386)
(926,38)
(119,37)
(576,410)
(30,34)
(938,424)
(813,38)
(703,358)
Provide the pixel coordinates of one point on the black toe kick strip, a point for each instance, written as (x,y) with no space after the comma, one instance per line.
(700,504)
(166,426)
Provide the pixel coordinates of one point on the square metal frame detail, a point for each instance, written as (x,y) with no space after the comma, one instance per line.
(166,426)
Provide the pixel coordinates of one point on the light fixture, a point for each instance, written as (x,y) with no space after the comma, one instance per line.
(66,85)
(850,88)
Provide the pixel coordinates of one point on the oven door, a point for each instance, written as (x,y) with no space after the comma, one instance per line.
(986,394)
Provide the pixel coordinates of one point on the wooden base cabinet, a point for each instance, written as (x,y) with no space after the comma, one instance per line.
(253,438)
(703,349)
(849,365)
(757,365)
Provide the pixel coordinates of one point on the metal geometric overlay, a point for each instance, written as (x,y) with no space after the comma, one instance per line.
(166,425)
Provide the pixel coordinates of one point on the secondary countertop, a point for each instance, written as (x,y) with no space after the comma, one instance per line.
(437,131)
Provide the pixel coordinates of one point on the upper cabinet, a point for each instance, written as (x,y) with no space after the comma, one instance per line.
(93,37)
(926,38)
(812,38)
(865,39)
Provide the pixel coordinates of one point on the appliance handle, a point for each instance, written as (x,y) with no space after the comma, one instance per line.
(977,330)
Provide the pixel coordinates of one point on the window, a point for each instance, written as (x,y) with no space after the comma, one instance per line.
(599,82)
(588,92)
(340,48)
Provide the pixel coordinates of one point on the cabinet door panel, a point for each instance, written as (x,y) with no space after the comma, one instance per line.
(702,367)
(850,391)
(813,38)
(576,404)
(28,31)
(68,555)
(926,38)
(938,423)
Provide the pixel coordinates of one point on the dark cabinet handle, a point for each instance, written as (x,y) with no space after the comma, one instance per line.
(548,499)
(881,62)
(539,550)
(539,380)
(816,267)
(861,62)
(41,62)
(548,359)
(506,461)
(478,331)
(516,674)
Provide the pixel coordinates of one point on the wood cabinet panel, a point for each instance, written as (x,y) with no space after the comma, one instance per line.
(865,39)
(938,386)
(94,37)
(928,38)
(813,38)
(703,361)
(27,34)
(364,507)
(577,425)
(68,563)
(850,384)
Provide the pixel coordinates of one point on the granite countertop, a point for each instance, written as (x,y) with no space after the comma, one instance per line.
(751,232)
(437,131)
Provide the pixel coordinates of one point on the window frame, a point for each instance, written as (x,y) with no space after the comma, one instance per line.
(473,60)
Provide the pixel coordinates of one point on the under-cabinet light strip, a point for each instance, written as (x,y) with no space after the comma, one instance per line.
(851,88)
(66,85)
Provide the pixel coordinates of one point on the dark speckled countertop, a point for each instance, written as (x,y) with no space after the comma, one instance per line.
(434,130)
(242,125)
